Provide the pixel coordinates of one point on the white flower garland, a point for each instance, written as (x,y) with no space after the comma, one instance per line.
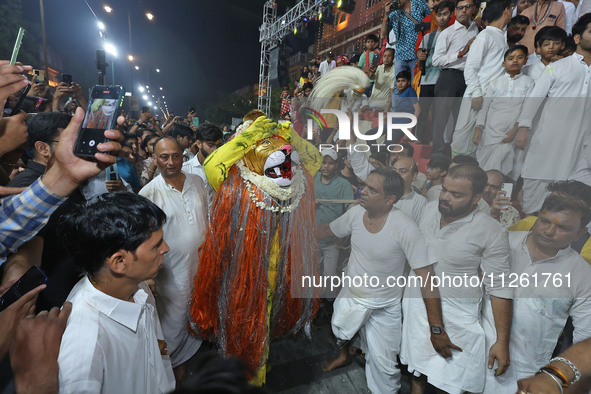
(266,184)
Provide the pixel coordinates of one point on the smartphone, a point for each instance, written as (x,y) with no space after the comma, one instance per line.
(67,78)
(39,76)
(195,121)
(31,279)
(103,108)
(21,99)
(508,189)
(112,174)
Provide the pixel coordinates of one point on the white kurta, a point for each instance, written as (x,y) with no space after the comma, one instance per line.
(473,244)
(534,68)
(449,44)
(565,119)
(500,112)
(484,64)
(375,311)
(412,205)
(111,345)
(540,310)
(183,232)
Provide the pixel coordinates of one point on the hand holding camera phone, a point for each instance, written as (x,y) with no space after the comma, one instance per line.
(101,114)
(33,278)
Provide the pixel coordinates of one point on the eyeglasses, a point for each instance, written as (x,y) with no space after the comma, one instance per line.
(464,7)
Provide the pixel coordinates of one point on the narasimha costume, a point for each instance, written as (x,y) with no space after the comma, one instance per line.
(260,242)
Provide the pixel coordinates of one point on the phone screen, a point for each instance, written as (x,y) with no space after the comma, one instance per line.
(101,115)
(30,280)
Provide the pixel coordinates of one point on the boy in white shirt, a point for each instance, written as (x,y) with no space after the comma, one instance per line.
(496,125)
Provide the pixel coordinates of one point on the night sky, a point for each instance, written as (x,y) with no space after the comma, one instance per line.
(202,47)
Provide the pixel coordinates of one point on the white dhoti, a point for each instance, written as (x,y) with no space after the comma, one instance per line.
(461,143)
(535,192)
(380,331)
(463,371)
(498,157)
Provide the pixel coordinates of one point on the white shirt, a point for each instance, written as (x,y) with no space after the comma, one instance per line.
(384,81)
(484,61)
(194,166)
(433,193)
(566,83)
(325,67)
(184,231)
(570,15)
(502,106)
(111,346)
(534,67)
(96,186)
(449,44)
(412,205)
(382,254)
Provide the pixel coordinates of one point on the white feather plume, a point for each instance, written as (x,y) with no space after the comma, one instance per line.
(335,82)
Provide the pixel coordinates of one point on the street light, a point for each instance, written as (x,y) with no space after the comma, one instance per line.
(107,9)
(161,88)
(157,70)
(110,49)
(141,89)
(101,25)
(149,15)
(149,103)
(137,67)
(130,58)
(145,97)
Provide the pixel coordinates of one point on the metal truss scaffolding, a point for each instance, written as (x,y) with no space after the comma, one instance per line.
(272,31)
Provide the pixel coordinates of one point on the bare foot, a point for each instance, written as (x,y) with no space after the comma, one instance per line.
(334,363)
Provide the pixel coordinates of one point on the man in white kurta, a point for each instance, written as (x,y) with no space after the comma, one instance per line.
(183,198)
(559,148)
(381,243)
(483,65)
(553,283)
(464,242)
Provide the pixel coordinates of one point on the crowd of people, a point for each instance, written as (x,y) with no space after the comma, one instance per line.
(501,95)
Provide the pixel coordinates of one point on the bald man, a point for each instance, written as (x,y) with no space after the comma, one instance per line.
(411,202)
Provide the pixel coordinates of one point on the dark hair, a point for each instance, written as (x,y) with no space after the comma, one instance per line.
(574,189)
(519,20)
(209,132)
(381,156)
(147,138)
(439,161)
(179,130)
(443,5)
(570,46)
(516,48)
(34,104)
(473,173)
(549,33)
(44,127)
(96,229)
(372,37)
(405,74)
(408,147)
(393,182)
(555,203)
(308,85)
(129,137)
(494,10)
(581,25)
(463,159)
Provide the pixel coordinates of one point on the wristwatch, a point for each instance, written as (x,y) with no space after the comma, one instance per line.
(437,330)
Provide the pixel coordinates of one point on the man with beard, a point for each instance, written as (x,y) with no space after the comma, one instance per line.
(209,138)
(182,197)
(464,242)
(516,29)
